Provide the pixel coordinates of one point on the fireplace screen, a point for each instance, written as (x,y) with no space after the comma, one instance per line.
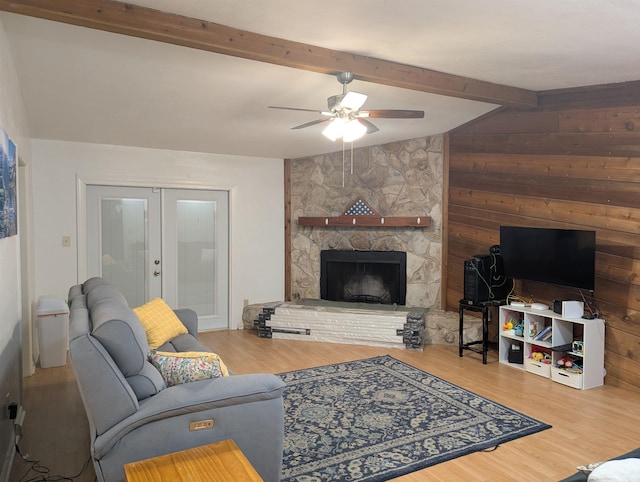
(363,276)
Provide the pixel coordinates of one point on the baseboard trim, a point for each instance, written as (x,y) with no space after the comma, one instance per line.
(9,457)
(10,454)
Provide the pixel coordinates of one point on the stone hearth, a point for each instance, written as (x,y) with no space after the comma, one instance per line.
(333,324)
(441,327)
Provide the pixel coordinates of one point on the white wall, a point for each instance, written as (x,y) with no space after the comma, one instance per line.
(256,203)
(13,121)
(10,120)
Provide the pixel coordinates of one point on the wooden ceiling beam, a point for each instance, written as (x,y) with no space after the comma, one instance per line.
(147,23)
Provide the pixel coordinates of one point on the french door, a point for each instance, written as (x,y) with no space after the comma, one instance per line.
(168,243)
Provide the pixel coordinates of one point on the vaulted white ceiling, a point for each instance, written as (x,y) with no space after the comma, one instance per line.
(87,85)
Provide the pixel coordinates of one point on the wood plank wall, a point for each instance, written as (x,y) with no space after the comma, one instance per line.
(572,163)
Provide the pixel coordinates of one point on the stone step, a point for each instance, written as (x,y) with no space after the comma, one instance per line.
(343,325)
(411,329)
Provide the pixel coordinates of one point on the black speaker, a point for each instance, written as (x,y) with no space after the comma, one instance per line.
(515,354)
(484,279)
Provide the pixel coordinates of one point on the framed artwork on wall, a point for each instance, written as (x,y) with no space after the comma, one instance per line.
(8,198)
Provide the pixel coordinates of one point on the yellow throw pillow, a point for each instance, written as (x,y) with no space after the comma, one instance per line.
(190,366)
(160,322)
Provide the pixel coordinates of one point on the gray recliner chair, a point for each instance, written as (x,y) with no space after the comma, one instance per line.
(133,415)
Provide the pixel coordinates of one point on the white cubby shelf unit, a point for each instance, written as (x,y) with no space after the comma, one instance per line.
(553,336)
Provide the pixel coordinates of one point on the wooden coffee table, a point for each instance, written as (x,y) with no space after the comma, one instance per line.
(221,461)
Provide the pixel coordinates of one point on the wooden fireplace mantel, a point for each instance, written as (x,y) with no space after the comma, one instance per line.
(360,214)
(366,221)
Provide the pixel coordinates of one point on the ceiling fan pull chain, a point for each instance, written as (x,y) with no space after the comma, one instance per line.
(352,158)
(343,163)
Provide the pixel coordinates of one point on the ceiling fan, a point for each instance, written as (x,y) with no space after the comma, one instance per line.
(347,121)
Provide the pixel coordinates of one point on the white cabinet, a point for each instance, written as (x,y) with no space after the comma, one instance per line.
(567,350)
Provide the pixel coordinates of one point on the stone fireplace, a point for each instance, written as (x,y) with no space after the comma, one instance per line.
(363,276)
(398,179)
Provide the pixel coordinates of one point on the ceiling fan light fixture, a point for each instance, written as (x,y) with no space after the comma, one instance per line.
(354,130)
(347,129)
(335,129)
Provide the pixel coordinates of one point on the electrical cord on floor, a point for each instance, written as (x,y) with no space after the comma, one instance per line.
(43,472)
(491,449)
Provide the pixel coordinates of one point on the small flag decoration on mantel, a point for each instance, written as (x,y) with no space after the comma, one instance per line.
(360,208)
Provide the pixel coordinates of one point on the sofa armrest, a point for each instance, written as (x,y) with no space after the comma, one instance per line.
(189,318)
(192,398)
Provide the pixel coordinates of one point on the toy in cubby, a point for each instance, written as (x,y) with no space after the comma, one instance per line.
(572,362)
(577,347)
(519,328)
(541,355)
(514,325)
(569,364)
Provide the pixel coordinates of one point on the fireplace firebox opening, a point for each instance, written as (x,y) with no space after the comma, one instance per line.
(364,276)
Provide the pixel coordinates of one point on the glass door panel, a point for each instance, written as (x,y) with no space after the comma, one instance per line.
(123,240)
(124,245)
(196,236)
(195,226)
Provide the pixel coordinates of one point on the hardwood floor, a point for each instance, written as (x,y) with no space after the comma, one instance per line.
(588,426)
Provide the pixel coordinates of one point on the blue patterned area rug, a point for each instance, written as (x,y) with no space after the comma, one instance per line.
(379,418)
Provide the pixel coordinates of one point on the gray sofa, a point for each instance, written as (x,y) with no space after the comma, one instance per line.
(134,416)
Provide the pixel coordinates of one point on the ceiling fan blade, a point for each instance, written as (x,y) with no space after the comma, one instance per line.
(294,108)
(353,100)
(392,114)
(312,123)
(371,128)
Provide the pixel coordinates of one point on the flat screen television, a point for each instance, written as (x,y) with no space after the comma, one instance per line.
(563,257)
